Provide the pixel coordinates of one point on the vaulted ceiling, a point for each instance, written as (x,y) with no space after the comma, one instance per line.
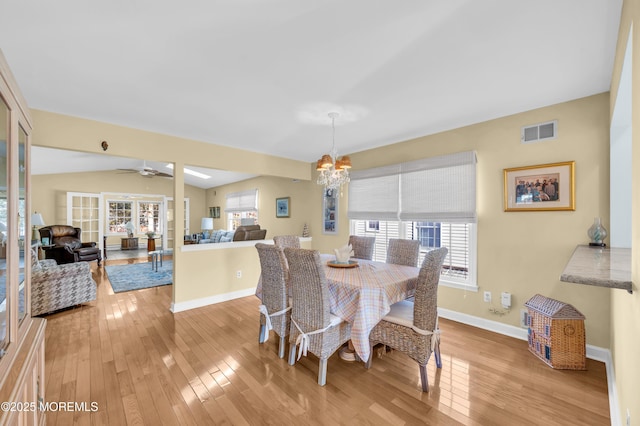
(262,75)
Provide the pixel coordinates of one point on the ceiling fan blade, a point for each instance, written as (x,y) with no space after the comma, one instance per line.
(162,174)
(128,171)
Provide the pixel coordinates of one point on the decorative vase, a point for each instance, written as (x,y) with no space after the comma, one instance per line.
(597,233)
(305,231)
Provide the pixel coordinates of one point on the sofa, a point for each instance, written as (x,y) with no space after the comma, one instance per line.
(219,236)
(66,246)
(55,287)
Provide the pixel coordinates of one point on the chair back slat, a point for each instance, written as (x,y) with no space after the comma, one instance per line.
(309,289)
(284,241)
(274,277)
(403,252)
(425,308)
(362,246)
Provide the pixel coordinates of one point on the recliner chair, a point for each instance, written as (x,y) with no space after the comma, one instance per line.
(67,245)
(249,232)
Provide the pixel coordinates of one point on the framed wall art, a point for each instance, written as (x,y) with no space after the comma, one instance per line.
(330,211)
(282,207)
(539,188)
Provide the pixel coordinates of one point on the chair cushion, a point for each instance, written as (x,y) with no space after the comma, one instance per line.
(401,313)
(88,251)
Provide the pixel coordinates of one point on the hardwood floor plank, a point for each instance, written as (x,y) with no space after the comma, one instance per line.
(144,365)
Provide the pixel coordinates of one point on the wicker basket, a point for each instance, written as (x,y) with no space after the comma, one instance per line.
(556,333)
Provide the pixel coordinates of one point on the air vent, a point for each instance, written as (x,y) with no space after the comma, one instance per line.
(539,132)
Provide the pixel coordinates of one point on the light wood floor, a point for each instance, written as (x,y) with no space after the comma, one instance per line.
(144,365)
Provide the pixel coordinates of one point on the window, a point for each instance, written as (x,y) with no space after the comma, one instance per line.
(459,238)
(373,225)
(120,212)
(427,232)
(432,200)
(242,208)
(149,217)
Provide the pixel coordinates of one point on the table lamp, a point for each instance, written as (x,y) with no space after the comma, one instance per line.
(36,220)
(130,229)
(206,224)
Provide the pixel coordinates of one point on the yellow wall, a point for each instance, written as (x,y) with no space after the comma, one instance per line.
(625,308)
(78,134)
(523,253)
(301,204)
(49,193)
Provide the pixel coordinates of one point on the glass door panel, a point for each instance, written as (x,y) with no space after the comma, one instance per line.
(4,228)
(25,237)
(83,211)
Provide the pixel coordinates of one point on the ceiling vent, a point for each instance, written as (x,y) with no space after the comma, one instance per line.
(539,132)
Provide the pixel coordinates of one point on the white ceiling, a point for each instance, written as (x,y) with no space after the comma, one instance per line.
(262,75)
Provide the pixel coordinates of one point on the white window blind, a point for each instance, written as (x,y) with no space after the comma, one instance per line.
(374,193)
(439,188)
(242,201)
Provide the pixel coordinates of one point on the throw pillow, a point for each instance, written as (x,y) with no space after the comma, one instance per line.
(225,239)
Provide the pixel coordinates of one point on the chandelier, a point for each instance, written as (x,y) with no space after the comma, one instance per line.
(334,171)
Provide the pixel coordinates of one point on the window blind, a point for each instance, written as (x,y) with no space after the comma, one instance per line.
(439,189)
(374,193)
(242,201)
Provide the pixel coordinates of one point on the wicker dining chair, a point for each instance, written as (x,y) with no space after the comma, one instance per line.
(283,241)
(313,327)
(403,252)
(412,327)
(362,246)
(275,310)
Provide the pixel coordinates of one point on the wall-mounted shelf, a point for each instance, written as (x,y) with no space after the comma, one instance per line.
(603,267)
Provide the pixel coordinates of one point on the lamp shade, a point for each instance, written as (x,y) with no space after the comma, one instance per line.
(206,223)
(37,220)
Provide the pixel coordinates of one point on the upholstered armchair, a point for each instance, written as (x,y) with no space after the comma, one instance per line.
(250,232)
(56,286)
(66,245)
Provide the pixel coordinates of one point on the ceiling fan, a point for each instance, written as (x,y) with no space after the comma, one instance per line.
(146,171)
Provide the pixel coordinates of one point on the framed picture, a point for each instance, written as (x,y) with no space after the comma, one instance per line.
(45,241)
(330,212)
(282,207)
(542,187)
(214,212)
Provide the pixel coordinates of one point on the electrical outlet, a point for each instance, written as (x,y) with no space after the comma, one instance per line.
(238,274)
(487,296)
(505,299)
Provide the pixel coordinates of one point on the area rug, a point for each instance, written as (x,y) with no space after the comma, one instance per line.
(139,275)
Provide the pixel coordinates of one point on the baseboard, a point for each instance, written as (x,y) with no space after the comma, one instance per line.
(218,298)
(593,352)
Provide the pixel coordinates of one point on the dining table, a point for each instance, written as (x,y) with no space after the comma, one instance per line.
(362,294)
